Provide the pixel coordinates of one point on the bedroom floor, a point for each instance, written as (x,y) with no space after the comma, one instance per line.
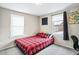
(51,50)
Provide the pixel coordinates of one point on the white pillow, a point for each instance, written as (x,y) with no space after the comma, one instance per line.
(51,35)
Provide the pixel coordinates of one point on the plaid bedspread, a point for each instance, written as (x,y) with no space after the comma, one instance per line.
(33,44)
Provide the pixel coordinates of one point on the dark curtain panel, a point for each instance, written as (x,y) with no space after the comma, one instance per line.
(66,36)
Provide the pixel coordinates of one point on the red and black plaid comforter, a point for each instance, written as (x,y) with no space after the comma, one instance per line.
(33,44)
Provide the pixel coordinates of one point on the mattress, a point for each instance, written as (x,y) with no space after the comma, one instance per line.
(31,45)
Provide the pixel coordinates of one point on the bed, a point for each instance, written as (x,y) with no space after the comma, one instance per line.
(32,45)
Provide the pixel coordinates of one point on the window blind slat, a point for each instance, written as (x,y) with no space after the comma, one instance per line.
(17,25)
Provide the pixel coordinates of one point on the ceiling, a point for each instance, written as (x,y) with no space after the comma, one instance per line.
(37,9)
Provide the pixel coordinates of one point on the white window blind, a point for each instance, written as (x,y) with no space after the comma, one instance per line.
(57,21)
(17,25)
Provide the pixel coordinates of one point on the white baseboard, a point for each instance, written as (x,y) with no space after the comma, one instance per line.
(64,46)
(7,46)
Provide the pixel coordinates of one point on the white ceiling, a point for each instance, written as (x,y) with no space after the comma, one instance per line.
(35,9)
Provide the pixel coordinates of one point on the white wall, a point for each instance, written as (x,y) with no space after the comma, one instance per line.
(31,25)
(46,28)
(0,20)
(73,29)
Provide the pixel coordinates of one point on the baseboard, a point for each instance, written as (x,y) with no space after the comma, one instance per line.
(7,46)
(64,46)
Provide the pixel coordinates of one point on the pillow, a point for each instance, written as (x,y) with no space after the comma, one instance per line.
(51,36)
(39,34)
(42,34)
(48,35)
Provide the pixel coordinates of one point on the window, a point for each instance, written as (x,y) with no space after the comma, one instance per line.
(17,25)
(57,22)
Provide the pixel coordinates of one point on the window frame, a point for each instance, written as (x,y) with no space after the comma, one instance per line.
(53,29)
(15,26)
